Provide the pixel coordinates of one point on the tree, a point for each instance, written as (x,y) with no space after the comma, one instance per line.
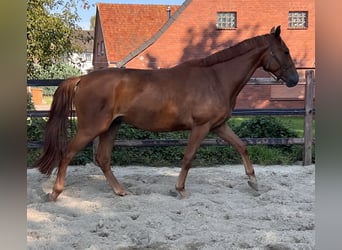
(57,71)
(51,29)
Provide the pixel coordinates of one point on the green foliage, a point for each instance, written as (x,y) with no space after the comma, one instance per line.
(206,155)
(55,71)
(266,155)
(35,127)
(35,132)
(267,127)
(263,127)
(30,105)
(256,127)
(51,29)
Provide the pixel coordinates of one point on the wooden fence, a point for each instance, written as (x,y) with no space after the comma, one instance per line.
(307,111)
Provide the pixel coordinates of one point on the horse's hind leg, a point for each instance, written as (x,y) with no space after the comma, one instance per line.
(227,134)
(80,140)
(106,142)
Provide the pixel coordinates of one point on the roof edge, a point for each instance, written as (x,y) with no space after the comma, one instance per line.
(155,37)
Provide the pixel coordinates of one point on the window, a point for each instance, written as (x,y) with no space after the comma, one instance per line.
(102,48)
(98,49)
(226,20)
(298,20)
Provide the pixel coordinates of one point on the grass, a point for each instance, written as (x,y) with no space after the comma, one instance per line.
(47,99)
(295,123)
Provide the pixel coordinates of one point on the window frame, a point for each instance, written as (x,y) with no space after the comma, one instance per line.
(305,21)
(225,25)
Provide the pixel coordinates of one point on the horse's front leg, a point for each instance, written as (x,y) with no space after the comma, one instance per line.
(228,135)
(196,137)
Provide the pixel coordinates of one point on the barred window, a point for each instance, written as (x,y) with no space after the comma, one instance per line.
(226,20)
(298,20)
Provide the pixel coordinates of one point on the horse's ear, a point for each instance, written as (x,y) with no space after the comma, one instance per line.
(272,30)
(277,32)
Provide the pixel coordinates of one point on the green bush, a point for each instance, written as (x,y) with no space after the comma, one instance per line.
(263,127)
(29,102)
(35,132)
(267,127)
(270,127)
(172,155)
(49,91)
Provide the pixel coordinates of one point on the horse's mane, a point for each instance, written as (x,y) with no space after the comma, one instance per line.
(231,52)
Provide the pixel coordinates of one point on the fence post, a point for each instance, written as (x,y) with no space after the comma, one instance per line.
(309,106)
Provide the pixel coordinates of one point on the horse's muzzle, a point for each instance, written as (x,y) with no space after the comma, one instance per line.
(292,80)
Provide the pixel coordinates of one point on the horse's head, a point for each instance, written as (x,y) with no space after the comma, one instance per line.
(278,60)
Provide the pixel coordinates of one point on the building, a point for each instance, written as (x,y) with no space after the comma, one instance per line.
(83,59)
(122,28)
(161,36)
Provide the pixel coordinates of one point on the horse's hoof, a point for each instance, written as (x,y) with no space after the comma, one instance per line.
(253,184)
(122,193)
(182,194)
(49,198)
(173,193)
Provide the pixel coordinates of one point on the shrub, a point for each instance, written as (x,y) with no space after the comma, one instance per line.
(270,127)
(172,155)
(35,132)
(263,127)
(29,102)
(266,127)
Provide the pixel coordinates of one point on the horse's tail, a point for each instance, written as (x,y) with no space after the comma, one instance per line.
(55,135)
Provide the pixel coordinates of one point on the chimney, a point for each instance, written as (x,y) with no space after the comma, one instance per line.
(168,11)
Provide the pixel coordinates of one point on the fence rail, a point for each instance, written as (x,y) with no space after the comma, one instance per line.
(237,112)
(307,111)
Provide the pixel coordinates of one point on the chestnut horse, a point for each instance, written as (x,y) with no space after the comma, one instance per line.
(197,95)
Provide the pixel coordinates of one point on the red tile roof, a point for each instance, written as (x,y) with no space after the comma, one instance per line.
(138,23)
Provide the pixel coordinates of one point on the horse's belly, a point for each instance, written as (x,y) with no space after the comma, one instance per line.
(157,121)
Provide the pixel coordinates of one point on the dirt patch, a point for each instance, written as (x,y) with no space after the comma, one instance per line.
(223,212)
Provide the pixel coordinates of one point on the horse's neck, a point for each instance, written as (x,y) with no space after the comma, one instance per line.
(235,73)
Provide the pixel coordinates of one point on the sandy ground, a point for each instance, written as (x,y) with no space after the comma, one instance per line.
(222,212)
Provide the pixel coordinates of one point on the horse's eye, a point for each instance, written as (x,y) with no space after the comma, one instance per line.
(286,52)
